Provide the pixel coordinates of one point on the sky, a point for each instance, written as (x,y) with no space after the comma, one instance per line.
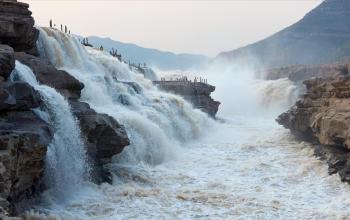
(200,27)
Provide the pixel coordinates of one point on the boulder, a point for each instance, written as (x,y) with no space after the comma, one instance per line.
(17,26)
(104,137)
(7,61)
(18,96)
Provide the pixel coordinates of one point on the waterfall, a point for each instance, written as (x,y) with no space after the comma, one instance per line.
(278,94)
(66,165)
(157,123)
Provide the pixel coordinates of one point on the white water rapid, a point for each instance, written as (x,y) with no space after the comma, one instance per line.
(66,165)
(156,122)
(182,165)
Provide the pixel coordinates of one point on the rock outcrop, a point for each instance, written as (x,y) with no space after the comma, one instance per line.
(195,92)
(17,26)
(47,74)
(323,117)
(104,138)
(24,139)
(7,61)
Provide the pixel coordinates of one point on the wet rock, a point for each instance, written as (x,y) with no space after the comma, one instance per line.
(7,61)
(18,96)
(336,157)
(24,138)
(196,93)
(105,137)
(17,26)
(47,74)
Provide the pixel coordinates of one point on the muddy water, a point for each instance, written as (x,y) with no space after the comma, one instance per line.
(247,169)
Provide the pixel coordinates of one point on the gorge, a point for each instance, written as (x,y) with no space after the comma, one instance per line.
(84,135)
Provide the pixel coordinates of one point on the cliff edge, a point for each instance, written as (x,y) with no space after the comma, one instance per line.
(197,93)
(322,117)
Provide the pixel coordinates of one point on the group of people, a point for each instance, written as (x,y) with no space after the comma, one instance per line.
(52,25)
(185,79)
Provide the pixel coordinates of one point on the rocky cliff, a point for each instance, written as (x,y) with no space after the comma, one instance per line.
(322,36)
(195,92)
(104,136)
(322,117)
(24,137)
(17,26)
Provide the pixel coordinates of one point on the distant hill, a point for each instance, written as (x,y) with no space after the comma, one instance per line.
(322,36)
(155,58)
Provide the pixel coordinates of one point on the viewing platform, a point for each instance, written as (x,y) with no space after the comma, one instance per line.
(196,92)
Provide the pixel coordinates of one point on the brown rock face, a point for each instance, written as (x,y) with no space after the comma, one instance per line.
(324,111)
(17,26)
(323,117)
(196,93)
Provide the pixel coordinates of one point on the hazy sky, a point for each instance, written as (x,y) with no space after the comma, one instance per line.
(206,27)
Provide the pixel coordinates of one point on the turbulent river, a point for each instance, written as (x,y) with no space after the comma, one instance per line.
(244,166)
(248,169)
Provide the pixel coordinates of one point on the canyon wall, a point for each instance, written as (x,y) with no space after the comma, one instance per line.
(24,136)
(322,117)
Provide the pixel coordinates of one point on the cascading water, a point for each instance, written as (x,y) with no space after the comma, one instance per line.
(245,168)
(66,165)
(156,122)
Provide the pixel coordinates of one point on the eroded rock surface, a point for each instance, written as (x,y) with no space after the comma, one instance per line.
(17,96)
(24,139)
(17,26)
(197,93)
(47,74)
(7,60)
(322,116)
(104,137)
